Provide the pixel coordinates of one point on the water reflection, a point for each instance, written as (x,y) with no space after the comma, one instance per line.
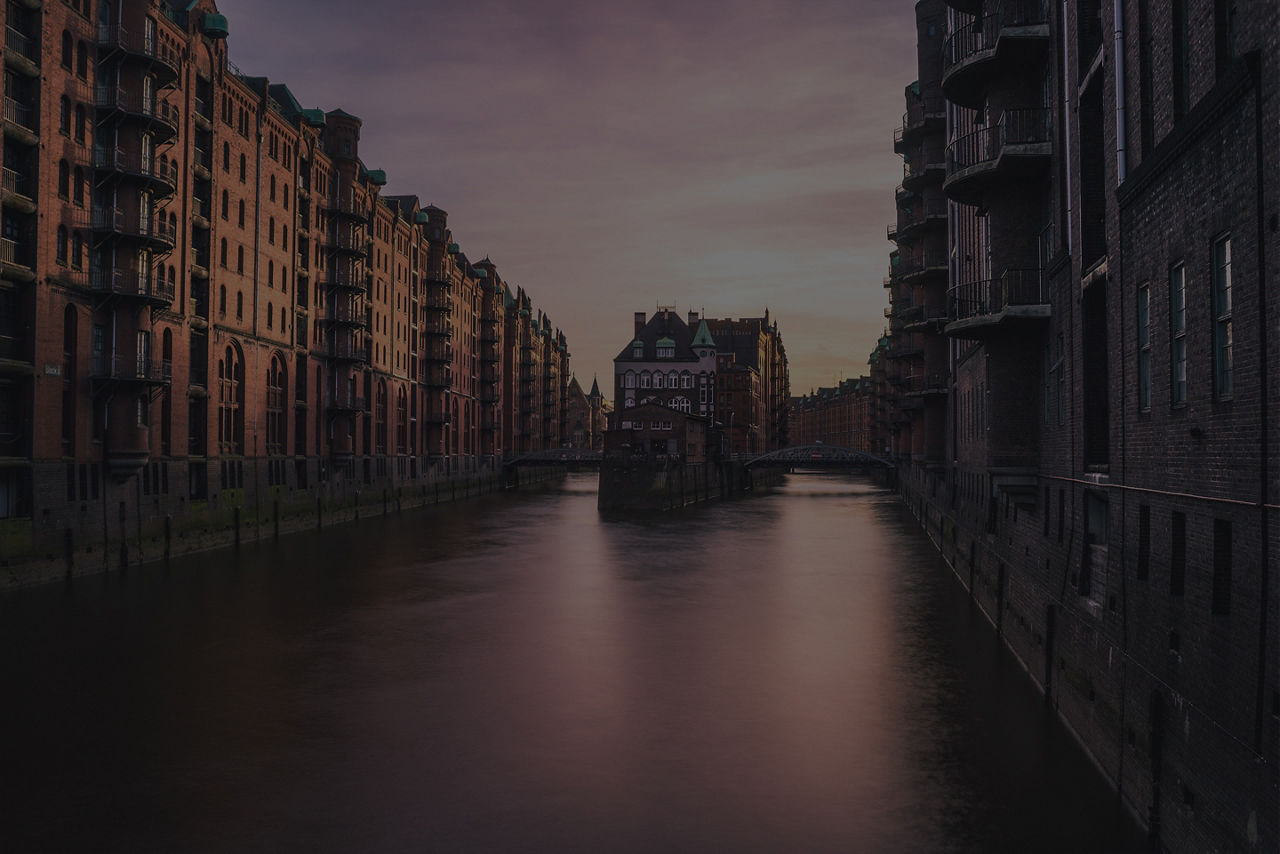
(794,672)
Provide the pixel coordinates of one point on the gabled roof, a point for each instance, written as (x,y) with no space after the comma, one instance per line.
(663,325)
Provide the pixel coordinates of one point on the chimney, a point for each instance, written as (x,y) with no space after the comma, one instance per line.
(639,322)
(693,318)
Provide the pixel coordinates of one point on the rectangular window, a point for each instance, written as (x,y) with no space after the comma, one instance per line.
(1144,541)
(1221,566)
(1178,335)
(1177,553)
(1222,358)
(1144,347)
(1224,34)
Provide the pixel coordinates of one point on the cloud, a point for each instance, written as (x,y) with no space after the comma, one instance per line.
(610,156)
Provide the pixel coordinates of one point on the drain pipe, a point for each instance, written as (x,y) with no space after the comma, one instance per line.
(1066,114)
(1121,136)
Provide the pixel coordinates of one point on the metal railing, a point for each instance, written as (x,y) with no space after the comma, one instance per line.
(344,401)
(141,368)
(1015,287)
(130,283)
(12,252)
(1027,126)
(981,34)
(15,182)
(20,114)
(20,43)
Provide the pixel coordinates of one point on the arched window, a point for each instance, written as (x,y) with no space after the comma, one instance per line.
(673,380)
(659,380)
(242,213)
(629,379)
(148,149)
(276,384)
(271,274)
(645,380)
(231,401)
(80,124)
(242,169)
(240,259)
(226,205)
(681,404)
(226,157)
(64,179)
(271,230)
(686,380)
(284,237)
(78,187)
(64,115)
(77,250)
(61,245)
(149,95)
(66,50)
(222,300)
(222,253)
(271,310)
(82,61)
(239,305)
(273,188)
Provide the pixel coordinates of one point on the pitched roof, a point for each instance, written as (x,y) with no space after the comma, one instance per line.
(663,325)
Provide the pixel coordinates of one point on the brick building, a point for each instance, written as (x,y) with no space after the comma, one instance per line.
(205,290)
(733,372)
(837,415)
(1081,322)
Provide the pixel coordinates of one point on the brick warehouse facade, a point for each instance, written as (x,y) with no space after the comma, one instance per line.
(207,302)
(1081,379)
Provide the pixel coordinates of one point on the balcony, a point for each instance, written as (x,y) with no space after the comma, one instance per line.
(438,302)
(114,38)
(146,170)
(157,233)
(914,219)
(922,266)
(17,191)
(350,242)
(160,118)
(346,206)
(20,121)
(344,350)
(15,260)
(439,351)
(344,402)
(343,278)
(134,370)
(1012,37)
(21,52)
(345,314)
(200,164)
(130,284)
(443,328)
(200,211)
(203,114)
(439,378)
(1018,298)
(1016,147)
(921,117)
(917,176)
(933,384)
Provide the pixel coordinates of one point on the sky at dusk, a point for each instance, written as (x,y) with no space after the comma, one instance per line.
(612,157)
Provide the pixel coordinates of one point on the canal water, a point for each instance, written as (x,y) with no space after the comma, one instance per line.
(796,672)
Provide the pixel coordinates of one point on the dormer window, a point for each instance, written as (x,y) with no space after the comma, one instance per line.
(637,349)
(666,348)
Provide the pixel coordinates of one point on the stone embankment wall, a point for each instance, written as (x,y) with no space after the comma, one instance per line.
(137,536)
(639,487)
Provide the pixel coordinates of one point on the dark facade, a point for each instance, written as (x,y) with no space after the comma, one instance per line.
(207,302)
(838,415)
(1079,396)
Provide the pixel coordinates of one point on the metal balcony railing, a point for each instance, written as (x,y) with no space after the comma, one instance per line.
(140,368)
(20,114)
(1015,127)
(19,43)
(16,182)
(130,283)
(981,34)
(1015,287)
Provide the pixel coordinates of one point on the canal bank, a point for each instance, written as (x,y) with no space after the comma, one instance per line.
(149,528)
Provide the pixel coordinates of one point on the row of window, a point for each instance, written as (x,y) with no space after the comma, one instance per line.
(657,379)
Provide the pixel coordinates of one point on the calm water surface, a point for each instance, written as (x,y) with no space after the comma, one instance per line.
(790,673)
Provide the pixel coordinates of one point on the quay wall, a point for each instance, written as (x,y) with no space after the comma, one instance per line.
(641,487)
(1152,710)
(125,527)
